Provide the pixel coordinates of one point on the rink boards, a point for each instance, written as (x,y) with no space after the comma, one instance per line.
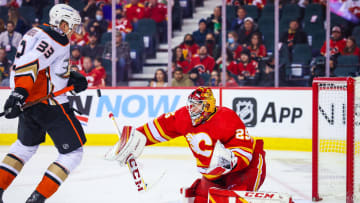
(281,116)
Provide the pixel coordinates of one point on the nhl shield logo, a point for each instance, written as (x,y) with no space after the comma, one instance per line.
(246,109)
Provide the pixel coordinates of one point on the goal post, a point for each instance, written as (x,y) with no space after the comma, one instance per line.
(336,139)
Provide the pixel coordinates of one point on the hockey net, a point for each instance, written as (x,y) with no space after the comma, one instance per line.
(336,139)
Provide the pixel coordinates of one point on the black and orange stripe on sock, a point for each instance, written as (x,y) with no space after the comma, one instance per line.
(52,180)
(9,169)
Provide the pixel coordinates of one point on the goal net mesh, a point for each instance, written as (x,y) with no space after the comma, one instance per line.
(332,128)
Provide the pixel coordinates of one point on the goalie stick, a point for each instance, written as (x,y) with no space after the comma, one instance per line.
(132,163)
(51,95)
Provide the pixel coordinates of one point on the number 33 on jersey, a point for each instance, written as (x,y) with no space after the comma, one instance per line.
(42,58)
(223,125)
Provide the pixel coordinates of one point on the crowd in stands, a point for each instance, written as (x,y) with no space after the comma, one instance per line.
(91,50)
(197,60)
(250,45)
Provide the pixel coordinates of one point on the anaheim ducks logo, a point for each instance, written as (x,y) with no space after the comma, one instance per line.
(66,69)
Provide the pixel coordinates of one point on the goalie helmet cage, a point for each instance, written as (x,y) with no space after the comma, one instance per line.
(336,139)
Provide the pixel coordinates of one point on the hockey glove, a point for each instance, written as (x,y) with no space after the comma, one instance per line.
(14,103)
(79,81)
(131,143)
(222,161)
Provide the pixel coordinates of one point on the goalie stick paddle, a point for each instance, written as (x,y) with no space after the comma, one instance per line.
(51,95)
(131,162)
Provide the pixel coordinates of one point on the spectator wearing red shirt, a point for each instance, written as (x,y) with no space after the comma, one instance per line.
(123,25)
(179,61)
(246,68)
(351,47)
(257,48)
(259,3)
(189,47)
(337,43)
(230,81)
(202,61)
(80,39)
(158,12)
(94,75)
(75,58)
(134,11)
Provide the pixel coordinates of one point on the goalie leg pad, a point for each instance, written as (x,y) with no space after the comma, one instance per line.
(198,191)
(132,142)
(221,195)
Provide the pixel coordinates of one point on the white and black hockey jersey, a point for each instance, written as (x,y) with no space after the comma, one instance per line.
(41,64)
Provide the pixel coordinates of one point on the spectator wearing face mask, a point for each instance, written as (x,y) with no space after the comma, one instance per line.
(214,50)
(122,24)
(232,44)
(99,24)
(189,47)
(202,61)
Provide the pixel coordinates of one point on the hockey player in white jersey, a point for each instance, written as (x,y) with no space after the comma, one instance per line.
(41,67)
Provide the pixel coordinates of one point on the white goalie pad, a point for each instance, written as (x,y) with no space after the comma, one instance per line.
(131,142)
(233,196)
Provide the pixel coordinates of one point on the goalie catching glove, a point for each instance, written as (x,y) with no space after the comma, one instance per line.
(131,142)
(222,161)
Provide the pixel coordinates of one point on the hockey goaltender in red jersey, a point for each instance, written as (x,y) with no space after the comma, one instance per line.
(226,155)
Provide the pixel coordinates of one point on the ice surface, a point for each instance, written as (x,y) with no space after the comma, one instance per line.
(98,180)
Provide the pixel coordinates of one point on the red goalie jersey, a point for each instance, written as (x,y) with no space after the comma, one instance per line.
(223,125)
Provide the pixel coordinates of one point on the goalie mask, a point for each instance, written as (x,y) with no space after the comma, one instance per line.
(63,12)
(201,105)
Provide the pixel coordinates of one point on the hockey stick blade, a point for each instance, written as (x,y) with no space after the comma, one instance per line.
(98,92)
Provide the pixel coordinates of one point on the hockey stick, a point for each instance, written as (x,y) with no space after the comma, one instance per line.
(142,186)
(131,162)
(51,95)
